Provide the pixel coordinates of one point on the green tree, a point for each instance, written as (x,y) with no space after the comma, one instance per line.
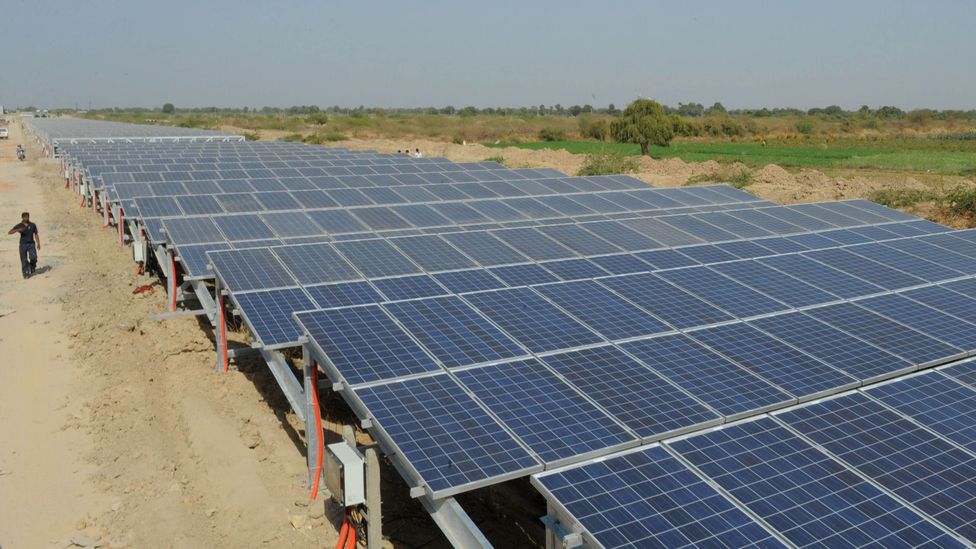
(169,108)
(611,109)
(575,110)
(644,122)
(716,108)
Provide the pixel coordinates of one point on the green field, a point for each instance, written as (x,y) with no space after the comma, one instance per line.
(896,155)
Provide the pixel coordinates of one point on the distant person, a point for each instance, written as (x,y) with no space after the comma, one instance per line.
(406,152)
(418,154)
(399,151)
(30,244)
(21,154)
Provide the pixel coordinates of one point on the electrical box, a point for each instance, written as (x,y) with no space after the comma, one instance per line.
(345,474)
(139,251)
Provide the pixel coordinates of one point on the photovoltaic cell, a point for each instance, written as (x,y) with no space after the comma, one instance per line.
(714,379)
(336,221)
(474,280)
(774,283)
(445,435)
(724,292)
(251,269)
(580,240)
(531,320)
(661,232)
(621,264)
(316,263)
(936,401)
(574,269)
(454,332)
(887,334)
(639,398)
(552,419)
(523,275)
(605,312)
(797,373)
(485,248)
(877,273)
(819,275)
(649,499)
(376,258)
(290,224)
(432,253)
(191,230)
(785,481)
(344,294)
(708,254)
(832,346)
(269,314)
(666,259)
(926,320)
(964,372)
(913,265)
(365,344)
(932,474)
(670,303)
(534,244)
(409,287)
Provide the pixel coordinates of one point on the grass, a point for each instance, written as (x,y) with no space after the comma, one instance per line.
(498,158)
(902,198)
(738,179)
(607,163)
(901,155)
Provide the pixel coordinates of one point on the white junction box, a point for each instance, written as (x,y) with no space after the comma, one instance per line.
(345,474)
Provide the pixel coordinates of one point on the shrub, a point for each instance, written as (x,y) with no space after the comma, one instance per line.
(961,202)
(740,179)
(293,137)
(552,134)
(606,163)
(901,198)
(702,178)
(595,128)
(500,159)
(334,136)
(457,140)
(251,136)
(804,126)
(196,122)
(318,119)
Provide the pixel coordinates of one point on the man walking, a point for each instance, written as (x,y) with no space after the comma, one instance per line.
(30,243)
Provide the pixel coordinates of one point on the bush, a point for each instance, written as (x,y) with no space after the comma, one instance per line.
(961,202)
(335,136)
(804,126)
(500,159)
(457,140)
(594,128)
(198,122)
(251,136)
(552,134)
(702,178)
(740,179)
(606,163)
(318,119)
(901,198)
(293,137)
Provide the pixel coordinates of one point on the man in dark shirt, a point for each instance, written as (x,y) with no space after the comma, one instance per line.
(30,243)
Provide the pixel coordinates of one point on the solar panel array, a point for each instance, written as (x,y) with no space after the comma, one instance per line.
(890,465)
(670,356)
(55,130)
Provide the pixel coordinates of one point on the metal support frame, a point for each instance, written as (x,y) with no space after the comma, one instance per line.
(221,330)
(558,534)
(294,391)
(171,288)
(313,435)
(374,503)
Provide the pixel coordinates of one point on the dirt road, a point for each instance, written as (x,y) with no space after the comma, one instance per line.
(115,428)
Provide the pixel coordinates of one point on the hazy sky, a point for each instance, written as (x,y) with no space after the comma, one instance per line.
(743,53)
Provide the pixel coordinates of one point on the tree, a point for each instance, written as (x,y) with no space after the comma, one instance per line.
(716,108)
(169,108)
(575,110)
(644,122)
(691,109)
(611,109)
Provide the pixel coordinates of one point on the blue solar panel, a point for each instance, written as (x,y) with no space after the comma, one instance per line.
(251,269)
(666,259)
(772,224)
(574,269)
(926,320)
(239,202)
(923,469)
(199,204)
(808,497)
(191,230)
(376,258)
(819,275)
(784,366)
(621,264)
(781,245)
(698,227)
(432,253)
(454,332)
(641,399)
(794,216)
(336,221)
(269,314)
(707,254)
(380,219)
(660,232)
(421,216)
(675,306)
(345,294)
(485,248)
(409,287)
(523,275)
(856,265)
(195,261)
(578,239)
(889,335)
(291,224)
(157,206)
(839,349)
(934,253)
(534,244)
(940,403)
(724,292)
(952,243)
(605,312)
(621,236)
(474,280)
(649,499)
(774,283)
(744,249)
(710,377)
(316,263)
(451,442)
(531,320)
(964,372)
(551,418)
(913,265)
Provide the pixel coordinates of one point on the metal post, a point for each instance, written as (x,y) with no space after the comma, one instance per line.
(171,281)
(374,513)
(222,364)
(312,434)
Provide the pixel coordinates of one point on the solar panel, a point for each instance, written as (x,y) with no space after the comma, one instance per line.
(934,475)
(639,398)
(913,265)
(191,230)
(365,344)
(889,335)
(773,283)
(649,499)
(158,206)
(523,275)
(534,244)
(432,253)
(744,249)
(660,232)
(932,252)
(936,401)
(243,227)
(621,264)
(666,259)
(797,373)
(926,320)
(239,202)
(670,303)
(551,418)
(964,372)
(531,320)
(269,314)
(421,216)
(708,254)
(451,442)
(473,280)
(696,226)
(290,224)
(376,258)
(821,276)
(724,292)
(454,332)
(343,294)
(841,350)
(877,273)
(251,269)
(602,310)
(336,221)
(574,269)
(717,381)
(409,287)
(316,263)
(578,239)
(808,497)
